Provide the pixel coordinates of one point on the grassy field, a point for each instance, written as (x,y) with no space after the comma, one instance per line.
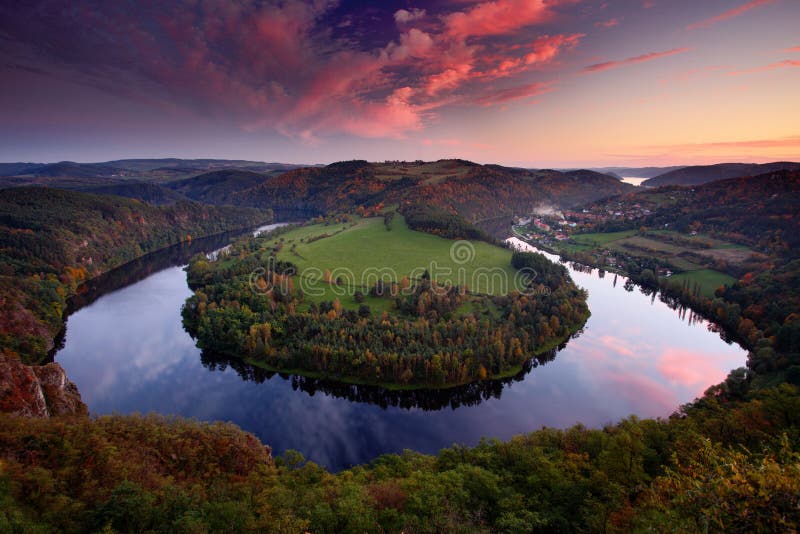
(682,251)
(361,251)
(601,239)
(690,254)
(708,280)
(429,173)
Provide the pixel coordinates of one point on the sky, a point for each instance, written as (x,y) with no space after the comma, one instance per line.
(534,83)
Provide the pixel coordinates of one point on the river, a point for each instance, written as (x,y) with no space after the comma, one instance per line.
(126,350)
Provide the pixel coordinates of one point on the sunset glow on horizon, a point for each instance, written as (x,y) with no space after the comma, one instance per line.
(535,83)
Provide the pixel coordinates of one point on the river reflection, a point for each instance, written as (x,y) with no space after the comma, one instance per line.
(127,352)
(423,399)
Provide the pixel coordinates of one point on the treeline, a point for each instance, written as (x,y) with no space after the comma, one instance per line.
(425,341)
(727,463)
(52,240)
(437,221)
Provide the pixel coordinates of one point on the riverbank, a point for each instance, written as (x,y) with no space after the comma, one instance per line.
(676,294)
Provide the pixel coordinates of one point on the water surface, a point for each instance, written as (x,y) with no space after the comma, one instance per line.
(127,352)
(633,180)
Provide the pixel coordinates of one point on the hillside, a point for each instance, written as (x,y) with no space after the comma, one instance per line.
(51,240)
(13,169)
(217,187)
(758,211)
(154,194)
(701,174)
(476,192)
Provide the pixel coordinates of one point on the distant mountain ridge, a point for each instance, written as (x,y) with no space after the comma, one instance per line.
(701,174)
(72,175)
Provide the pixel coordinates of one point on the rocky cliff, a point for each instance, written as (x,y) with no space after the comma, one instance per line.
(37,390)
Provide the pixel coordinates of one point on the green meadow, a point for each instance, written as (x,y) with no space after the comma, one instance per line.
(708,280)
(363,250)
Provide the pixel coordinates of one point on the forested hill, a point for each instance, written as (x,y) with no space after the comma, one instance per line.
(51,240)
(154,194)
(759,211)
(474,191)
(702,174)
(217,187)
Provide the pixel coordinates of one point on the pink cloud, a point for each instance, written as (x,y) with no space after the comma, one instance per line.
(793,49)
(413,44)
(502,96)
(273,65)
(632,60)
(731,13)
(607,23)
(772,66)
(497,17)
(542,50)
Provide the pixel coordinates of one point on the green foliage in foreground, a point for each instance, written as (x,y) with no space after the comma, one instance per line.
(729,463)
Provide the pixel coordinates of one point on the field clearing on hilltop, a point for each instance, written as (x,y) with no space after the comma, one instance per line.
(362,250)
(429,173)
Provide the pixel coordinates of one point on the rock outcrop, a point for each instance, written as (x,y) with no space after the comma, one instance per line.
(37,390)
